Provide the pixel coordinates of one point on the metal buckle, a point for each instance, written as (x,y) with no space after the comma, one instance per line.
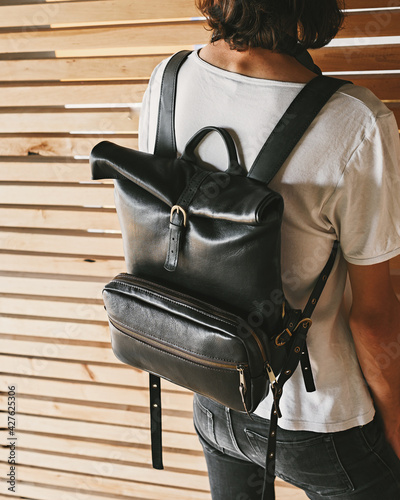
(281,343)
(177,208)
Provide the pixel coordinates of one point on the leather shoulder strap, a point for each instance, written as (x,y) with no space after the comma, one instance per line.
(165,137)
(291,127)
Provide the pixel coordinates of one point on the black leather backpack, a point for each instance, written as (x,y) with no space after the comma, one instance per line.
(202,304)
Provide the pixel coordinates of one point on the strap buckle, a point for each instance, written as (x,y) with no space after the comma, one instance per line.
(287,334)
(280,342)
(177,208)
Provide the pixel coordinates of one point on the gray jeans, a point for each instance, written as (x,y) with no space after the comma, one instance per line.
(356,464)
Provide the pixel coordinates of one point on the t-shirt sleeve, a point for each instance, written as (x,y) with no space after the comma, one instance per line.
(364,209)
(149,110)
(144,119)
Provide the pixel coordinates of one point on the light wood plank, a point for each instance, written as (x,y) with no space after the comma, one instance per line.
(110,432)
(95,194)
(110,469)
(77,310)
(21,263)
(119,67)
(180,33)
(395,262)
(29,169)
(358,58)
(371,4)
(68,40)
(47,493)
(56,330)
(120,374)
(69,120)
(59,145)
(102,11)
(121,414)
(70,94)
(51,287)
(90,247)
(59,219)
(192,461)
(57,350)
(99,393)
(395,107)
(95,483)
(370,23)
(383,86)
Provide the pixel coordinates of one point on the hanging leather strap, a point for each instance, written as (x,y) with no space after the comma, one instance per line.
(296,353)
(155,421)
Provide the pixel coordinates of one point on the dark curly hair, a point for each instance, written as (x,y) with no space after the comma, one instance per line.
(287,26)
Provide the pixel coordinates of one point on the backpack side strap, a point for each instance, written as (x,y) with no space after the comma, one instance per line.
(165,137)
(292,126)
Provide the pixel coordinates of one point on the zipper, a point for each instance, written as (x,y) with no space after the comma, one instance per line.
(176,351)
(190,301)
(241,368)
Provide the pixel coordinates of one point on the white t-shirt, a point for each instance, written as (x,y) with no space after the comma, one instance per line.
(341,181)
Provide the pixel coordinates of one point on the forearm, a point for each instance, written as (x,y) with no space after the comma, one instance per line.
(377,341)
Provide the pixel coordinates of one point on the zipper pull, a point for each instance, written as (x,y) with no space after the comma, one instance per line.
(271,374)
(242,387)
(242,380)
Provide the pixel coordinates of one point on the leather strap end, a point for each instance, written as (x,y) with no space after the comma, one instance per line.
(155,421)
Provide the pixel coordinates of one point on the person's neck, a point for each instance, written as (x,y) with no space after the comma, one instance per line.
(256,62)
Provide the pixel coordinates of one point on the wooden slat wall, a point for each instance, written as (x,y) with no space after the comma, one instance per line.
(71,74)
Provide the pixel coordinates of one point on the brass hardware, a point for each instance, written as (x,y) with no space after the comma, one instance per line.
(283,309)
(271,375)
(305,322)
(177,208)
(278,342)
(297,350)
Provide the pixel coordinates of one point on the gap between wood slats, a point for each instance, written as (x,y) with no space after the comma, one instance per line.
(59,144)
(94,484)
(94,12)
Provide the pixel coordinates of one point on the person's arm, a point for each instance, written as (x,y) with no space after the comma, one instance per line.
(375,325)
